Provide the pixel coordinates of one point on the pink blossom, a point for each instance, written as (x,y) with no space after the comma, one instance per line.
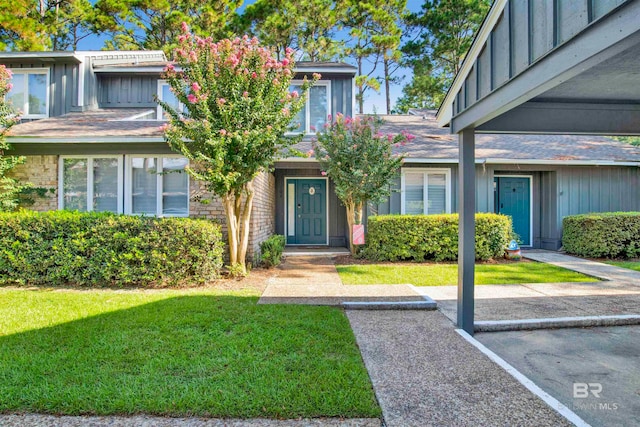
(185,27)
(223,132)
(329,117)
(310,153)
(9,86)
(254,75)
(285,62)
(164,127)
(317,76)
(245,94)
(169,68)
(269,127)
(246,132)
(389,137)
(285,112)
(312,128)
(348,120)
(275,82)
(323,173)
(286,72)
(288,51)
(295,94)
(404,143)
(366,175)
(355,146)
(221,101)
(195,87)
(192,98)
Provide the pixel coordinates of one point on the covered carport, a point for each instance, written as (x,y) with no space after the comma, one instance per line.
(552,67)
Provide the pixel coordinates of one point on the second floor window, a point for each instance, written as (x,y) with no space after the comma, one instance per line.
(165,94)
(318,106)
(30,92)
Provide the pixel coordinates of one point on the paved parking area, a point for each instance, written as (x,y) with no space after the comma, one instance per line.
(603,364)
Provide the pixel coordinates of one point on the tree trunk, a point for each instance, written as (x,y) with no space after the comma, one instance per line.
(386,84)
(238,216)
(360,89)
(354,216)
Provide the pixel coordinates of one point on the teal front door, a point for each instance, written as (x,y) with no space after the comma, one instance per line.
(513,198)
(307,211)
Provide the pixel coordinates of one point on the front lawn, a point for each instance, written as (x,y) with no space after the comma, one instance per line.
(447,274)
(631,265)
(178,353)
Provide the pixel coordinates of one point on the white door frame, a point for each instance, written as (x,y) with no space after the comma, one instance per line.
(530,177)
(287,212)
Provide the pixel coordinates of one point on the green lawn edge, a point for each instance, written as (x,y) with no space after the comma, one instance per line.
(434,274)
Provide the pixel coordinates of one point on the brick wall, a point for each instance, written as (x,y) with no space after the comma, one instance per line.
(204,205)
(41,171)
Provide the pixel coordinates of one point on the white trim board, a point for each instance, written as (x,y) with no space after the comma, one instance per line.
(530,202)
(286,206)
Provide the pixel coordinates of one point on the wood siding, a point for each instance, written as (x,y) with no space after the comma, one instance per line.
(526,31)
(127,91)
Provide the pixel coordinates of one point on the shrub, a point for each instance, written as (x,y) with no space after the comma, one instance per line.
(433,237)
(100,249)
(271,250)
(610,234)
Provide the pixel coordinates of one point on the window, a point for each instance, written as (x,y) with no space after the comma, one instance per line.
(91,183)
(148,185)
(157,185)
(30,92)
(426,191)
(314,114)
(165,94)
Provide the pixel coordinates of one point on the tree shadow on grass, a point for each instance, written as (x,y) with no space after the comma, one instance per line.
(219,356)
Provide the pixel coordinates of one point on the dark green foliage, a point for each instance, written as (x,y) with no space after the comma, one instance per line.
(271,250)
(433,237)
(610,234)
(100,249)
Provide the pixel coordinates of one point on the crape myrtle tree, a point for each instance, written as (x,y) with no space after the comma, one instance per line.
(236,106)
(359,159)
(10,188)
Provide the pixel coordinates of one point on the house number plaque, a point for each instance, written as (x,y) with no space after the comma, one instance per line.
(312,191)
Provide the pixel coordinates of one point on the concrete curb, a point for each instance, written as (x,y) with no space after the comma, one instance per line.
(427,304)
(555,323)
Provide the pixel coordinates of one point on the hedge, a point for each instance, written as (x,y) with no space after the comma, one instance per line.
(101,249)
(433,237)
(597,235)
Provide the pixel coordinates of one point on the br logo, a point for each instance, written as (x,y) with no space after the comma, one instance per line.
(582,390)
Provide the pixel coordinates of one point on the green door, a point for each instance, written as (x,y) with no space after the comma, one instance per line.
(513,198)
(310,210)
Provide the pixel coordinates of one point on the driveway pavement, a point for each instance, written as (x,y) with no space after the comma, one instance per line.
(602,363)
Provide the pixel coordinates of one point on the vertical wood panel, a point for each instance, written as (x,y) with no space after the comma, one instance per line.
(541,28)
(519,35)
(500,67)
(572,17)
(471,87)
(484,71)
(602,7)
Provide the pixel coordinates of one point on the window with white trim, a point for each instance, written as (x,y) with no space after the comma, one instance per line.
(425,191)
(139,185)
(91,183)
(317,108)
(165,94)
(156,185)
(30,92)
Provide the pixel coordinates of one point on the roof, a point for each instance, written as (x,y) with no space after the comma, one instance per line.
(435,144)
(102,123)
(432,143)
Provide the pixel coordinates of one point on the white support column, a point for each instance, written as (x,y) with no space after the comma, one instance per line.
(466,231)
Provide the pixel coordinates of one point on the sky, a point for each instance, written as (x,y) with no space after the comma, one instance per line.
(374,102)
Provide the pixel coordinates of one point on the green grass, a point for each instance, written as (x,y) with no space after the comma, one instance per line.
(447,274)
(177,353)
(631,265)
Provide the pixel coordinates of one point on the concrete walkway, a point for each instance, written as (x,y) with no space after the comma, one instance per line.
(424,373)
(584,266)
(314,280)
(617,294)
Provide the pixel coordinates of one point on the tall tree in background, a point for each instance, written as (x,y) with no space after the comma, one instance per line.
(375,28)
(156,24)
(445,30)
(308,26)
(34,25)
